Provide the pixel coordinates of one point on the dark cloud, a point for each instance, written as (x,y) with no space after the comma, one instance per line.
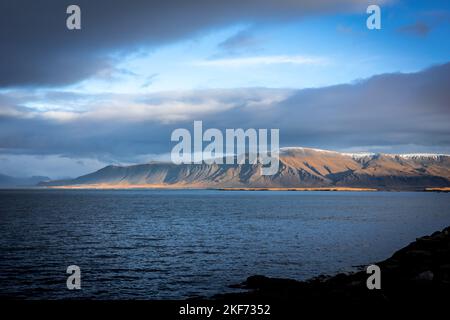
(386,110)
(418,29)
(389,110)
(149,80)
(240,42)
(38,50)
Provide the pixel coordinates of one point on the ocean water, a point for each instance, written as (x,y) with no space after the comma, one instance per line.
(173,244)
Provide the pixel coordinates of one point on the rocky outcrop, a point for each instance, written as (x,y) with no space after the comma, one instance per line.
(419,272)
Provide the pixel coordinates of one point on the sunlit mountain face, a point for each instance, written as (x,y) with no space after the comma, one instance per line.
(298,168)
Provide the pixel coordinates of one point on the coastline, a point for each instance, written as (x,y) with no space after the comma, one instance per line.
(179,186)
(300,189)
(193,186)
(443,189)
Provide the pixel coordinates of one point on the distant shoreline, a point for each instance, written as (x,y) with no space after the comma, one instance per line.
(184,187)
(121,186)
(300,189)
(443,189)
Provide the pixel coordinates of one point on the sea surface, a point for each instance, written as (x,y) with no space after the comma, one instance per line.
(173,244)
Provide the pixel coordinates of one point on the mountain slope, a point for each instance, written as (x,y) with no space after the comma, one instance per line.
(299,167)
(13,182)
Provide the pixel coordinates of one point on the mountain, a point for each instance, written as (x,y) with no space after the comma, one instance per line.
(299,167)
(14,182)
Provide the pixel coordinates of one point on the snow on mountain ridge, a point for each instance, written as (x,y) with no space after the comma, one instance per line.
(360,155)
(434,156)
(306,149)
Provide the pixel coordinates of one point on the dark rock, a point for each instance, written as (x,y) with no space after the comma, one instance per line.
(420,272)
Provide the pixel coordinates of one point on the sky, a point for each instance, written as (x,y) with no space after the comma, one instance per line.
(73,101)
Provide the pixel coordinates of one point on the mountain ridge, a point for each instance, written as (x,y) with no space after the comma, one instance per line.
(299,168)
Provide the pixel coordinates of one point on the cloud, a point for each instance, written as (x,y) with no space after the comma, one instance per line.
(242,41)
(149,80)
(53,166)
(388,112)
(38,50)
(262,60)
(419,28)
(165,107)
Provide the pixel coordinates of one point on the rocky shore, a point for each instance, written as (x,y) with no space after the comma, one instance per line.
(420,272)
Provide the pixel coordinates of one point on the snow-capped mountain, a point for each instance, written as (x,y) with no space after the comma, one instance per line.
(299,167)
